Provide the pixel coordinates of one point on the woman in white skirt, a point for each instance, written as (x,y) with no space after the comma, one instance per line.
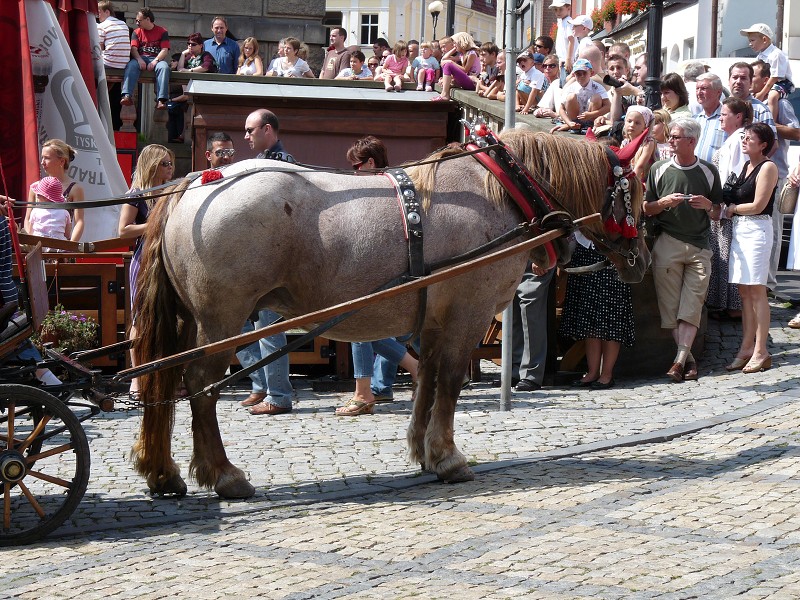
(750,206)
(793,260)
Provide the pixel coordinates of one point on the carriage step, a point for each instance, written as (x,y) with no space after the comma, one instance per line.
(74,366)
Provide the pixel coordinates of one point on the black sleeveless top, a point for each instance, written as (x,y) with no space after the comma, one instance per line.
(744,190)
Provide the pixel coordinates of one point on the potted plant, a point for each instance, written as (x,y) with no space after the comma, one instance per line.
(605,16)
(67,331)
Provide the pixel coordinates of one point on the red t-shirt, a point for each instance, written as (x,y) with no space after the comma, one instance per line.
(150,43)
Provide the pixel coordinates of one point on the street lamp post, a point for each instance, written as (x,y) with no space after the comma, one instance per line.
(652,83)
(435,8)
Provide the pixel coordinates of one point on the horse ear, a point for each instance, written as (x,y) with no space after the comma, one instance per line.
(627,153)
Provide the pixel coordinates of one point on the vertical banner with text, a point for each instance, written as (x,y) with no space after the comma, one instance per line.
(64,110)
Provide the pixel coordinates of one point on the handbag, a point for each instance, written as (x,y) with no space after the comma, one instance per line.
(787,202)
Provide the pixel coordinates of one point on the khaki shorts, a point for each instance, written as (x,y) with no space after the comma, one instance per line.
(680,272)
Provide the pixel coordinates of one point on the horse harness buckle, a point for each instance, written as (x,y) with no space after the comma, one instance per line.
(408,199)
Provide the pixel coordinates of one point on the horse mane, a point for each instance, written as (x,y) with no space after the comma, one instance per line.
(156,317)
(572,170)
(424,176)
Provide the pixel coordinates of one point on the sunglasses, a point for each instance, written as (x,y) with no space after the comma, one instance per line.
(224,152)
(250,130)
(166,163)
(538,46)
(550,66)
(192,44)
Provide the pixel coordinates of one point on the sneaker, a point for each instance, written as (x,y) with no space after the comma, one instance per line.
(428,88)
(126,101)
(419,88)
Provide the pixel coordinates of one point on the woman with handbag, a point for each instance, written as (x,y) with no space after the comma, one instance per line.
(750,200)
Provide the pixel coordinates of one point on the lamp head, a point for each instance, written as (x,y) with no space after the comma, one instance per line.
(435,8)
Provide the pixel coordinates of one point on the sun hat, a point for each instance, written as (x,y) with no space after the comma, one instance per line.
(525,55)
(584,20)
(538,58)
(50,188)
(761,28)
(559,3)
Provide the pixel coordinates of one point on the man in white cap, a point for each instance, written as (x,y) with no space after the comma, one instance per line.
(565,40)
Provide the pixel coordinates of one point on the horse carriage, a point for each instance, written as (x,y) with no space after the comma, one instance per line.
(205,269)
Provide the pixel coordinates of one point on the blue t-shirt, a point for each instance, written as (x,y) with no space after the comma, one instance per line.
(225,54)
(425,63)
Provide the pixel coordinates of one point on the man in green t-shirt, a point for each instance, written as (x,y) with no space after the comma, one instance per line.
(683,193)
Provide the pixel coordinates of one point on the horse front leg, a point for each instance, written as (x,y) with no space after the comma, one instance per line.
(210,465)
(423,397)
(441,454)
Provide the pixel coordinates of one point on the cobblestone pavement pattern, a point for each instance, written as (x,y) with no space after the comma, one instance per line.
(564,506)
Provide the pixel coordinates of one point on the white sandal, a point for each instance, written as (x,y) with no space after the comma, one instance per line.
(795,322)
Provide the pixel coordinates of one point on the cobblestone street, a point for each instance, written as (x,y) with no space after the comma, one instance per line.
(649,489)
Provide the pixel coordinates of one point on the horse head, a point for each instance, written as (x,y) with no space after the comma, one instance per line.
(583,179)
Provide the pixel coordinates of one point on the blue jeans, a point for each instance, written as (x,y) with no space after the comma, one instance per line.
(364,353)
(131,78)
(384,373)
(274,377)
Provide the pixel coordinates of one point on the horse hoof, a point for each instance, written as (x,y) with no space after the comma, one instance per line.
(234,487)
(168,486)
(460,475)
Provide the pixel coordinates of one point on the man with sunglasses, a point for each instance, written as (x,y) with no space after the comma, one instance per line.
(219,149)
(543,45)
(274,395)
(149,52)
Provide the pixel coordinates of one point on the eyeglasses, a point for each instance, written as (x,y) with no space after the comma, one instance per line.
(250,130)
(192,44)
(538,46)
(224,152)
(373,64)
(550,66)
(677,137)
(166,163)
(357,166)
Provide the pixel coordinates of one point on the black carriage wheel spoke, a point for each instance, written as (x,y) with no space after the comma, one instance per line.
(39,510)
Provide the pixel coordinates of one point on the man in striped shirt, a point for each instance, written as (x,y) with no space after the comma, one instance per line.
(115,37)
(709,94)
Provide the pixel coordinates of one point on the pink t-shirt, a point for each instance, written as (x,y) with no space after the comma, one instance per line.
(395,65)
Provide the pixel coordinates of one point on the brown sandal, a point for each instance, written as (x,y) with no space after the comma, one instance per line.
(354,408)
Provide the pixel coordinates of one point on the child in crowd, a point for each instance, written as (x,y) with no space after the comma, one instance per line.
(661,120)
(395,67)
(779,85)
(565,39)
(47,222)
(488,55)
(250,62)
(530,83)
(460,66)
(637,120)
(581,28)
(583,100)
(357,69)
(496,90)
(290,65)
(425,67)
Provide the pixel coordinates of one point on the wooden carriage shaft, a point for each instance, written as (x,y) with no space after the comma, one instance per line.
(333,311)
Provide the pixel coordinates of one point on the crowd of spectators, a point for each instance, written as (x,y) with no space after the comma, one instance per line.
(704,126)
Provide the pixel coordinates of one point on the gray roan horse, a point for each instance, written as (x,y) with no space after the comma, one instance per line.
(297,240)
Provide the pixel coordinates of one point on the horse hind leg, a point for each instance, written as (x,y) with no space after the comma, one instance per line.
(210,465)
(441,454)
(423,397)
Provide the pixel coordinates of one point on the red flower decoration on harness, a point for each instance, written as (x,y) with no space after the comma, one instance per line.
(210,175)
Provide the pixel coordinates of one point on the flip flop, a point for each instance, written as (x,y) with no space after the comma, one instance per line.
(354,408)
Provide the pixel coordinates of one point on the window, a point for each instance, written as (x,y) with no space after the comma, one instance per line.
(688,49)
(369,29)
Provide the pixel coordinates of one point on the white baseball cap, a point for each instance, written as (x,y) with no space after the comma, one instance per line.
(761,28)
(559,3)
(584,20)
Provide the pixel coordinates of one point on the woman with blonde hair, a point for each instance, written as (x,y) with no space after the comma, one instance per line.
(250,62)
(462,73)
(155,167)
(56,157)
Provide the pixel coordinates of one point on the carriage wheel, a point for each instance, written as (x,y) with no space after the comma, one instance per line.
(44,463)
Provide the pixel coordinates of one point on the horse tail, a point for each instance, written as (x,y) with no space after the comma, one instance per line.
(156,309)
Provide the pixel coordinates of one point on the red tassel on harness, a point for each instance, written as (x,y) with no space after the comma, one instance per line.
(612,226)
(629,231)
(210,175)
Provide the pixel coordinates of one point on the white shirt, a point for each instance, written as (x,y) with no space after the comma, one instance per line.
(564,30)
(584,94)
(115,42)
(778,62)
(534,76)
(282,68)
